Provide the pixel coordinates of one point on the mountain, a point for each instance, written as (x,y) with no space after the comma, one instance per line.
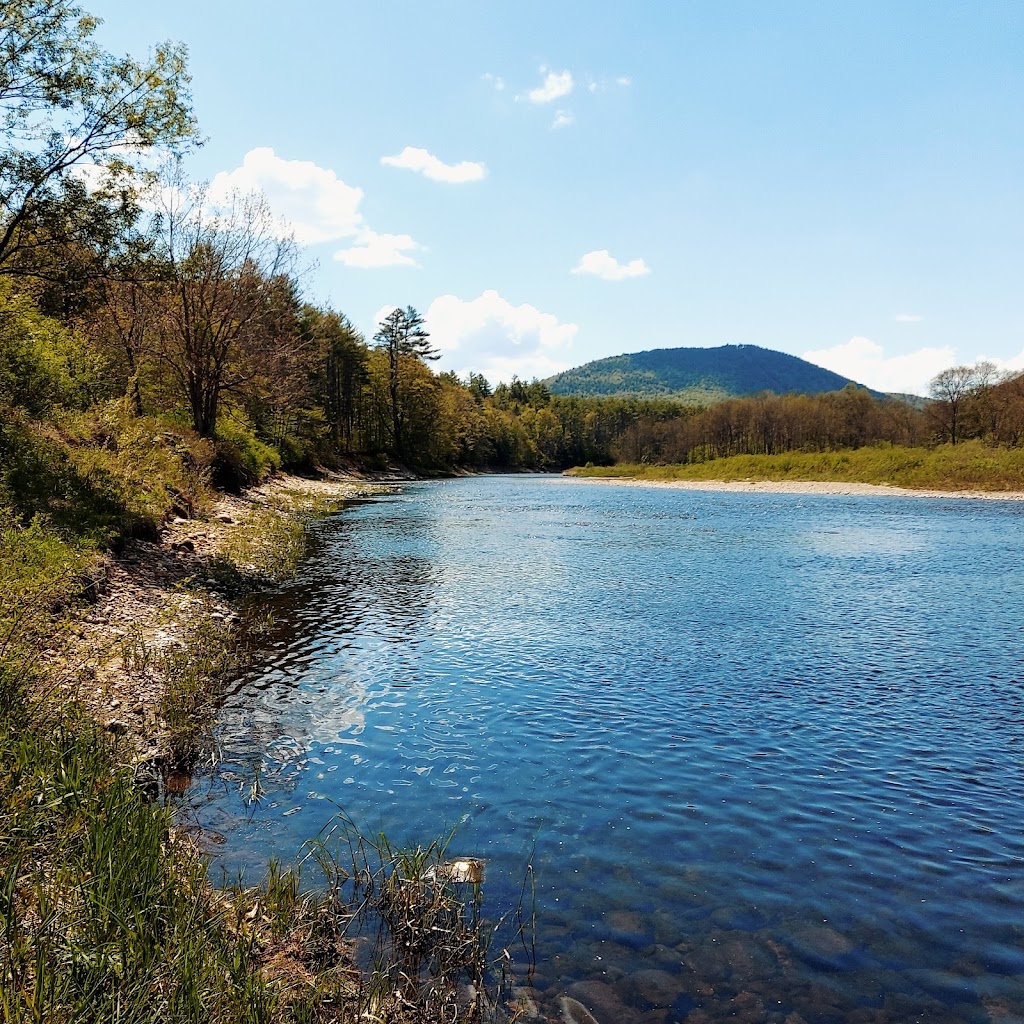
(698,375)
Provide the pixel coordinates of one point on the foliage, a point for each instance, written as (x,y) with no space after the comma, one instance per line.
(242,458)
(408,390)
(43,364)
(103,474)
(68,107)
(223,301)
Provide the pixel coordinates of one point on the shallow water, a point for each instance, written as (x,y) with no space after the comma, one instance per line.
(764,749)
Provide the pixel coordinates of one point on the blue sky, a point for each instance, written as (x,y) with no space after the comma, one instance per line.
(551,183)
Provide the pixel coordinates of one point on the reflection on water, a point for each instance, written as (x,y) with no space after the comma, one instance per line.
(764,749)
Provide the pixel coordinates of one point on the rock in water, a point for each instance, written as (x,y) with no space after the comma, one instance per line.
(574,1012)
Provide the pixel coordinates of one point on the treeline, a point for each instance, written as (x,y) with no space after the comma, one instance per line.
(967,402)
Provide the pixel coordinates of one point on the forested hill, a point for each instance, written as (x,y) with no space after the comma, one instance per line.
(697,375)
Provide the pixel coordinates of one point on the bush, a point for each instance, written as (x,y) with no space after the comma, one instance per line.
(43,364)
(105,474)
(242,458)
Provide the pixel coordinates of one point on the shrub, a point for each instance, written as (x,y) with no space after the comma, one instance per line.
(241,457)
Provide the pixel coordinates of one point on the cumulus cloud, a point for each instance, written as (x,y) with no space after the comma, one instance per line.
(317,205)
(908,318)
(373,250)
(624,81)
(563,118)
(602,264)
(865,361)
(1012,365)
(490,335)
(422,162)
(495,80)
(556,84)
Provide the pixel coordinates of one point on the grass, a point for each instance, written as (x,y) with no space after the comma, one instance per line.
(103,475)
(970,466)
(430,954)
(267,546)
(107,915)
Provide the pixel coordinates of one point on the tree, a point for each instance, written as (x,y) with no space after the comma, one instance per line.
(225,302)
(949,390)
(340,375)
(72,116)
(479,387)
(402,337)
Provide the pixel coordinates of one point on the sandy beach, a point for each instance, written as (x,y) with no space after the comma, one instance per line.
(830,487)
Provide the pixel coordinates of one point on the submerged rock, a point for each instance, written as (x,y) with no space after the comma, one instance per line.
(602,1001)
(656,988)
(574,1012)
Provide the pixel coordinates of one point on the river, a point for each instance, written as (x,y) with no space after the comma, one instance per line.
(763,751)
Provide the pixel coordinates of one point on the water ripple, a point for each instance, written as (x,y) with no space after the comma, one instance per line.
(765,746)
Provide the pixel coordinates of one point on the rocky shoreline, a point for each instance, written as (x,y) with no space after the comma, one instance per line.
(151,596)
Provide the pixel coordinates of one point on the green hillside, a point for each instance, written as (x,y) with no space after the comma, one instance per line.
(698,375)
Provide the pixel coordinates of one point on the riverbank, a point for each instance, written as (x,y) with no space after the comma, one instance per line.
(833,487)
(967,470)
(106,909)
(164,601)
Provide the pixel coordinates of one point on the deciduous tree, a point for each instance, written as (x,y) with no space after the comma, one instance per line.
(74,122)
(225,301)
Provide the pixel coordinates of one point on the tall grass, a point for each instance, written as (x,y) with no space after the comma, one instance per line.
(105,913)
(968,466)
(430,955)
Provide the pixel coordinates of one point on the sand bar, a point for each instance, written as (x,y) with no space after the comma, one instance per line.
(833,487)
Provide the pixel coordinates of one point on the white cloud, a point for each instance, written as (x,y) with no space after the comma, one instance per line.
(491,336)
(419,160)
(317,205)
(92,176)
(908,318)
(601,264)
(1012,365)
(496,80)
(865,361)
(563,118)
(556,84)
(373,250)
(624,81)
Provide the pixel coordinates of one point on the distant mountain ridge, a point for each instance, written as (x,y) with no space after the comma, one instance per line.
(699,375)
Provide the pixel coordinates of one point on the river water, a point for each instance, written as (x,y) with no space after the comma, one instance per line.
(763,750)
